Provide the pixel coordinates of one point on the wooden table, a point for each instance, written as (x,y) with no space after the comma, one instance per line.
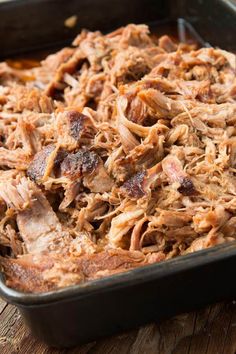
(211,331)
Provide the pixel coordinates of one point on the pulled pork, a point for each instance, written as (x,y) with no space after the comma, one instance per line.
(115,153)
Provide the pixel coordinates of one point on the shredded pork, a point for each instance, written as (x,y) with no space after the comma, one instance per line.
(115,153)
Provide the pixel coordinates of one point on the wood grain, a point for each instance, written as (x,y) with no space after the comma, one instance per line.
(209,331)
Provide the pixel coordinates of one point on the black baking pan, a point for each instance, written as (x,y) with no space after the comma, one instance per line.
(99,308)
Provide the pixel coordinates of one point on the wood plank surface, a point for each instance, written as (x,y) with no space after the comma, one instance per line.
(209,331)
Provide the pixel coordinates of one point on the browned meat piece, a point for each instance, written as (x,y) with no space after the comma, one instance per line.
(74,129)
(142,182)
(44,273)
(87,164)
(37,167)
(45,162)
(81,126)
(187,187)
(24,276)
(174,170)
(134,187)
(78,164)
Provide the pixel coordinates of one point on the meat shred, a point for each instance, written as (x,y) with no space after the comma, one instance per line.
(115,153)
